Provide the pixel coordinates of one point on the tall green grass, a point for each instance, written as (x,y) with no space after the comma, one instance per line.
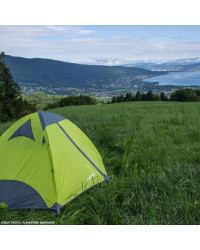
(151,151)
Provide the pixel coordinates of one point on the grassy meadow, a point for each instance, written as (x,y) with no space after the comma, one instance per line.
(151,151)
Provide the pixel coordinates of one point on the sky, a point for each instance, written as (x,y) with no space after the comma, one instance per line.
(102,44)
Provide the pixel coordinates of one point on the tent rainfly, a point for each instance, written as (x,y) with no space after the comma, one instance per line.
(45,162)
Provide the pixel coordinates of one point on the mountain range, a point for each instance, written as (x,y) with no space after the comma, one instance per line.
(55,73)
(187,64)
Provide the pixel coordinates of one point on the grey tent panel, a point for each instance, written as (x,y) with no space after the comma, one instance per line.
(17,195)
(47,118)
(24,130)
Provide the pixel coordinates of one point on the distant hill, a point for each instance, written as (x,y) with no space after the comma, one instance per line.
(177,65)
(191,67)
(63,74)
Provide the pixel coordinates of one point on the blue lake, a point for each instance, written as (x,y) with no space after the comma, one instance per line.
(177,78)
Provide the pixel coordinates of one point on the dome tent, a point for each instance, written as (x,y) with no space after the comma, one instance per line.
(45,162)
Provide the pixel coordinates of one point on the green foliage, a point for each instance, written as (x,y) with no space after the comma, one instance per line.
(138,96)
(180,95)
(3,205)
(151,153)
(149,96)
(163,97)
(41,99)
(128,97)
(12,106)
(72,101)
(186,95)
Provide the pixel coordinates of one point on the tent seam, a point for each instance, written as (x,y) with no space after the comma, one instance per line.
(81,151)
(49,153)
(51,162)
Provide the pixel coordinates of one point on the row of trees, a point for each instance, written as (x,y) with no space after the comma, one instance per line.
(180,95)
(72,101)
(149,96)
(12,105)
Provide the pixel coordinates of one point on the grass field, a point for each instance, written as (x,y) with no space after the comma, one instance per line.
(151,151)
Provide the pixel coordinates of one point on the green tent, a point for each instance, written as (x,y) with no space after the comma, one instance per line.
(45,162)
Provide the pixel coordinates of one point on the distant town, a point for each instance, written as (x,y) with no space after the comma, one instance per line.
(111,88)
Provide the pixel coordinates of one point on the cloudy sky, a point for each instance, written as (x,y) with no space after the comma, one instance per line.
(101,44)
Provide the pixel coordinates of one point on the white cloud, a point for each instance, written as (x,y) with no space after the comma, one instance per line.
(70,29)
(86,32)
(74,43)
(40,31)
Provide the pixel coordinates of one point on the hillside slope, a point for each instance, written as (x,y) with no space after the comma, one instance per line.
(63,74)
(191,67)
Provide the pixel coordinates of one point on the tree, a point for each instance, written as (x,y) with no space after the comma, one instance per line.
(143,97)
(197,92)
(138,97)
(156,97)
(120,98)
(113,99)
(11,103)
(128,97)
(150,96)
(163,97)
(9,92)
(68,101)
